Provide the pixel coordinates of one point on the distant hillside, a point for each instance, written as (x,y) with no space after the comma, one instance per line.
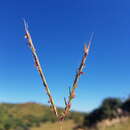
(27,115)
(33,116)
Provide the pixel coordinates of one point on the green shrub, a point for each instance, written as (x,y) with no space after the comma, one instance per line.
(126,105)
(107,110)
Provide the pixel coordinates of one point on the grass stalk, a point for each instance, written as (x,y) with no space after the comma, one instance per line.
(39,68)
(76,79)
(79,72)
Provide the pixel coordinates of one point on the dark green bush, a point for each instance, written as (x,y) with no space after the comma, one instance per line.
(109,107)
(126,105)
(107,110)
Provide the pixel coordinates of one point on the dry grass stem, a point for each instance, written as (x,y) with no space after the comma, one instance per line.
(79,72)
(77,76)
(38,66)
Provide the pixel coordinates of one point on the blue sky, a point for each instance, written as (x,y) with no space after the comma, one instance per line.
(59,30)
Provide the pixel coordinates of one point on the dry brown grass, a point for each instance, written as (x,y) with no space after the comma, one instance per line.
(67,125)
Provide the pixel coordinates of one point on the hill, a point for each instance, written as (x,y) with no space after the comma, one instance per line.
(33,116)
(27,115)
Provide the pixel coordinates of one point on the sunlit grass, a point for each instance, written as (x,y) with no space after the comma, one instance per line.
(67,125)
(120,126)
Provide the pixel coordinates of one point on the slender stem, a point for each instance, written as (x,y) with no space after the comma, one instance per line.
(77,76)
(39,68)
(62,116)
(61,125)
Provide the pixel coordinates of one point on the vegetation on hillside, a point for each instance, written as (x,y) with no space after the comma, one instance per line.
(110,108)
(25,116)
(32,115)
